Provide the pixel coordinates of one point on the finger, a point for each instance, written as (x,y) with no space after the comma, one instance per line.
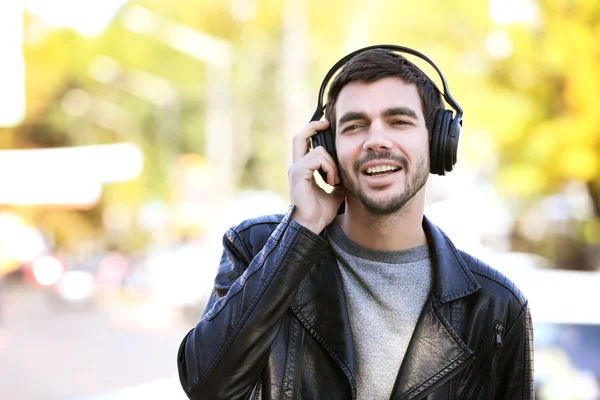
(320,159)
(333,175)
(311,163)
(300,142)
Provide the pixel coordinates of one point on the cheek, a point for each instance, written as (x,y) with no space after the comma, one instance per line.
(424,145)
(347,151)
(415,147)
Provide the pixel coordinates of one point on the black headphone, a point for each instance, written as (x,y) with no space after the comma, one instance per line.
(444,137)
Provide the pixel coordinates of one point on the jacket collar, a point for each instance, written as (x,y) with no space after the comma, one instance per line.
(452,278)
(321,307)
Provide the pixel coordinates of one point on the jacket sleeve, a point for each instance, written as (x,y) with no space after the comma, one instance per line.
(224,355)
(515,367)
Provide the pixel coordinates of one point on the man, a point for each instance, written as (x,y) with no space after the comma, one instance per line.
(373,303)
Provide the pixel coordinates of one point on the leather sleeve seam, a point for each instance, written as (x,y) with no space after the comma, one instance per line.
(239,239)
(521,299)
(520,316)
(252,224)
(243,319)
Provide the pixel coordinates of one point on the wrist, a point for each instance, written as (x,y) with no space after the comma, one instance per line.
(314,227)
(307,223)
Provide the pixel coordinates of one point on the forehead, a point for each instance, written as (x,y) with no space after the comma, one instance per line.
(377,96)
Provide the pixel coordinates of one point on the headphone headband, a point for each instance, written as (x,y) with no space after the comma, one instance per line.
(401,49)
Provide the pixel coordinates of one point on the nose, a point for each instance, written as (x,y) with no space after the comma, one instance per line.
(377,139)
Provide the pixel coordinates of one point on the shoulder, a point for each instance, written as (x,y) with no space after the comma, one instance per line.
(493,281)
(253,233)
(264,222)
(486,283)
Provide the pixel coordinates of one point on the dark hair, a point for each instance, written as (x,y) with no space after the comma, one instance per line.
(375,64)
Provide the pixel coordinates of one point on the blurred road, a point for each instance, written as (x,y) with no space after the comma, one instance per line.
(52,353)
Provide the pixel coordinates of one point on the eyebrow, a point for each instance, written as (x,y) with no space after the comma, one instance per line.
(351,116)
(390,112)
(406,111)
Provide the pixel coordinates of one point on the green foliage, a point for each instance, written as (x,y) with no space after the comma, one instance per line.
(539,104)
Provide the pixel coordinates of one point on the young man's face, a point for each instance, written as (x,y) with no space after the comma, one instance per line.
(382,143)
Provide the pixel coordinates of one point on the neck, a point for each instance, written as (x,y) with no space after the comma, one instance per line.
(398,231)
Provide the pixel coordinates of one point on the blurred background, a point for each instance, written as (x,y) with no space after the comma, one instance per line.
(133,133)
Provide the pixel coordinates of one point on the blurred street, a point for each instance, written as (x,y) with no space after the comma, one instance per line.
(52,353)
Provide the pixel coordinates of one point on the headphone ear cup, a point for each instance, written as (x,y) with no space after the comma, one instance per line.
(434,144)
(451,148)
(441,143)
(444,143)
(330,144)
(326,139)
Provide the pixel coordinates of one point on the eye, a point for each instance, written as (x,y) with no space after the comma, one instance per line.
(351,128)
(401,122)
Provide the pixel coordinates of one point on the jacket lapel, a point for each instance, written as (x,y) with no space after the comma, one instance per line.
(434,355)
(320,305)
(436,352)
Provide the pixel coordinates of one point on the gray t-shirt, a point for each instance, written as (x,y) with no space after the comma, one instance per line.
(385,293)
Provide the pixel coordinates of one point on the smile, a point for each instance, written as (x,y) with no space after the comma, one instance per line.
(381,170)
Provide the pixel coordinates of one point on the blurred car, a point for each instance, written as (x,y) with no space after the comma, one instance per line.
(75,289)
(67,285)
(44,271)
(567,361)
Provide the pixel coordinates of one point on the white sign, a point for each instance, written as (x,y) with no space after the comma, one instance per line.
(67,176)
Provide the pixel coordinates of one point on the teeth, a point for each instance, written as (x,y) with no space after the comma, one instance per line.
(380,168)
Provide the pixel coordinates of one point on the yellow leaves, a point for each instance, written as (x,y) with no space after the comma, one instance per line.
(541,105)
(505,115)
(581,69)
(556,137)
(47,68)
(521,180)
(543,142)
(583,88)
(564,148)
(578,162)
(579,129)
(587,7)
(571,49)
(68,227)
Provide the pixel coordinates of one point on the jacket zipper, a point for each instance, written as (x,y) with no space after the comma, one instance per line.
(496,343)
(499,328)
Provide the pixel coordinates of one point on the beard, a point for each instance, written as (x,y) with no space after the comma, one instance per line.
(415,180)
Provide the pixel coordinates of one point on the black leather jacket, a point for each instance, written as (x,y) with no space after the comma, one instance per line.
(276,326)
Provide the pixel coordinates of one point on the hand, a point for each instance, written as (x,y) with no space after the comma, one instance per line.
(315,208)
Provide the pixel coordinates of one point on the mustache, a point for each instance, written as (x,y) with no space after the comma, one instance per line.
(386,155)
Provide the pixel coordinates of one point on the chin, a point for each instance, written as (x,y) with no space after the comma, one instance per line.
(383,205)
(387,201)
